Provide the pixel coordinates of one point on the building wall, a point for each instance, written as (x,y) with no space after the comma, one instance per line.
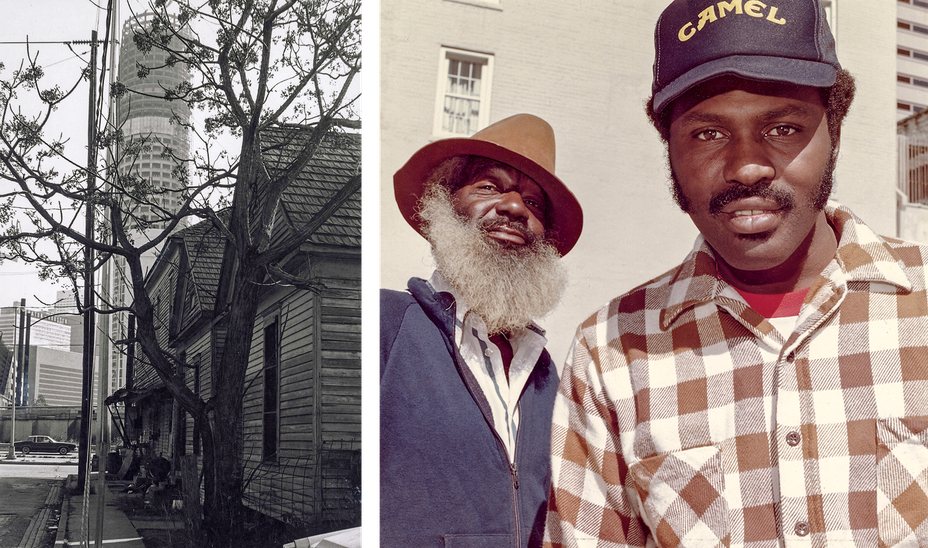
(56,376)
(320,392)
(911,57)
(45,328)
(586,69)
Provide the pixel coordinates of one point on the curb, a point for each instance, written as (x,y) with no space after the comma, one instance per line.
(43,462)
(61,538)
(47,519)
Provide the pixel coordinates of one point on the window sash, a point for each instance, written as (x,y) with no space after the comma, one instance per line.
(462,105)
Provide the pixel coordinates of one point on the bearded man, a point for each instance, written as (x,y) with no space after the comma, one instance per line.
(466,385)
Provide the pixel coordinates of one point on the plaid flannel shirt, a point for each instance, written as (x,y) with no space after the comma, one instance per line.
(685,419)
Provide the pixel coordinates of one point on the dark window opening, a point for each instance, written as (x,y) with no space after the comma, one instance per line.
(271,388)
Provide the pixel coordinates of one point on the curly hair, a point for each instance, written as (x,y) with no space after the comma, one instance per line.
(837,99)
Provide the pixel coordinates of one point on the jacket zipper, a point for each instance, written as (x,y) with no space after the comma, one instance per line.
(514,471)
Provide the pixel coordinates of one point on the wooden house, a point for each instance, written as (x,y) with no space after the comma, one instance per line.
(302,405)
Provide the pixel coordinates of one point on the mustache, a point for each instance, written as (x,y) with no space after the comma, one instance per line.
(761,190)
(486,225)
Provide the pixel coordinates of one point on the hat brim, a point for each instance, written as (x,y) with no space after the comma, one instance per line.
(752,67)
(409,184)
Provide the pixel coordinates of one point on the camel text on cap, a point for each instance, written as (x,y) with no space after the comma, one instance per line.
(753,8)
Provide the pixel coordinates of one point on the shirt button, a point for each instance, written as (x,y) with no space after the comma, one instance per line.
(488,353)
(793,439)
(802,528)
(791,357)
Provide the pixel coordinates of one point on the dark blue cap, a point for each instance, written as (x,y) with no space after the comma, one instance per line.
(785,41)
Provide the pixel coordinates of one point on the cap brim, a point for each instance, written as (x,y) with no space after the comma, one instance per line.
(409,184)
(752,67)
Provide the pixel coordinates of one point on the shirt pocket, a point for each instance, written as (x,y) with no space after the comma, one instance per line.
(682,495)
(902,480)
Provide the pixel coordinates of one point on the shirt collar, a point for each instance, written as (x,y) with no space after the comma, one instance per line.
(862,256)
(439,284)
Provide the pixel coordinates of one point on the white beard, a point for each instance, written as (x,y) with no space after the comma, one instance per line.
(508,286)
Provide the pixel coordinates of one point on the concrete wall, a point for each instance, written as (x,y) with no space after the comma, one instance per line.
(586,68)
(62,423)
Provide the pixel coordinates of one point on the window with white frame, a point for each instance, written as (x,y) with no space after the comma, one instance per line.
(462,106)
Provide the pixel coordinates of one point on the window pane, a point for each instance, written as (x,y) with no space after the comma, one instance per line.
(462,104)
(460,115)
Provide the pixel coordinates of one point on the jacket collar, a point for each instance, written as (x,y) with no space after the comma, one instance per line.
(862,256)
(438,305)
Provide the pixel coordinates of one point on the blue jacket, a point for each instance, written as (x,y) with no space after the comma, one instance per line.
(445,476)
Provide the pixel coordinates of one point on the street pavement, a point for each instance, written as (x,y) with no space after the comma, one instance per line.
(37,505)
(118,530)
(28,507)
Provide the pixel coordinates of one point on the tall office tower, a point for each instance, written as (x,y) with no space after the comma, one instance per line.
(911,57)
(143,116)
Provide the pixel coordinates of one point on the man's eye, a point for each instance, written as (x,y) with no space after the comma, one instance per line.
(782,131)
(708,134)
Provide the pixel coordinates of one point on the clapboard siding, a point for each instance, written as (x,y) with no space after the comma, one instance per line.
(316,331)
(341,361)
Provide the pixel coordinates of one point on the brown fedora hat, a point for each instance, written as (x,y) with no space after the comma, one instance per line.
(523,141)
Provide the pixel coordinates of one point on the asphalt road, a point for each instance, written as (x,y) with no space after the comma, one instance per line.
(21,497)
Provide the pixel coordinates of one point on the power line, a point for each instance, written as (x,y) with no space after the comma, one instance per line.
(64,42)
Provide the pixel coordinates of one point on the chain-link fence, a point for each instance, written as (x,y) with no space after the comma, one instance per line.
(317,492)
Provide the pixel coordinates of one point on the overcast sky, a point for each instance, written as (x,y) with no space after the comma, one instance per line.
(47,21)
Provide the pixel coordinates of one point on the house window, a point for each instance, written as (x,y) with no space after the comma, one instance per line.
(463,98)
(196,390)
(271,390)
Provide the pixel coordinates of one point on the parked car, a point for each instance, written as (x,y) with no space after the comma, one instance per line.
(44,444)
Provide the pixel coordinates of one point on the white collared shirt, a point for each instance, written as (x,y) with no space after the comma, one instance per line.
(486,363)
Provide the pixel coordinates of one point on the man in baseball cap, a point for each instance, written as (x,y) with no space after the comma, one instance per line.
(771,389)
(466,386)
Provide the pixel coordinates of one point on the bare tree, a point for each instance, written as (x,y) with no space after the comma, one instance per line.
(253,64)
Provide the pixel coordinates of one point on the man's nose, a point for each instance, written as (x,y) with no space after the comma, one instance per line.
(511,205)
(748,162)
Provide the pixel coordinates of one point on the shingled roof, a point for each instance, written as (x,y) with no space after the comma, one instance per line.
(205,245)
(336,161)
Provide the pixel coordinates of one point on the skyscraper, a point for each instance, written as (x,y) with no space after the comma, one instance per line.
(145,118)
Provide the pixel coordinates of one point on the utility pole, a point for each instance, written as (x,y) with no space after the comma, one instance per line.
(87,388)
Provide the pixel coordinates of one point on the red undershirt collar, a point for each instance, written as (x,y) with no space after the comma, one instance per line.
(777,305)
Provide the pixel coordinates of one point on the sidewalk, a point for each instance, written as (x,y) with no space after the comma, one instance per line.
(39,459)
(118,531)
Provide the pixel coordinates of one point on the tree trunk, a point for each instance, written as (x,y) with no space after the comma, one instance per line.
(223,513)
